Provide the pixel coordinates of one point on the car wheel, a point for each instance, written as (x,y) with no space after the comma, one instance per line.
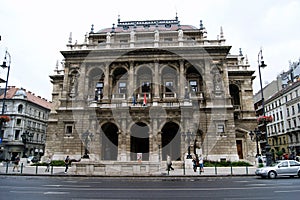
(272,174)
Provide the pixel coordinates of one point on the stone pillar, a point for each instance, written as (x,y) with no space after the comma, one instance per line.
(106,82)
(131,82)
(182,79)
(156,82)
(153,142)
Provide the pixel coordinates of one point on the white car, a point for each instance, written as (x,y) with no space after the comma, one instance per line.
(280,168)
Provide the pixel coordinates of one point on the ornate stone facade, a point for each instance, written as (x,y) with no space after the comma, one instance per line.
(142,90)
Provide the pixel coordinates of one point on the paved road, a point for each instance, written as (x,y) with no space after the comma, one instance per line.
(91,188)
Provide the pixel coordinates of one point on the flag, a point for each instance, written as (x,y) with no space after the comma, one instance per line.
(145,100)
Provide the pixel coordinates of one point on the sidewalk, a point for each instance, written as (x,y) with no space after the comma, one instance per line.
(208,171)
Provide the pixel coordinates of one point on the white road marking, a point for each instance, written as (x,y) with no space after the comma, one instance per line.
(287,191)
(56,192)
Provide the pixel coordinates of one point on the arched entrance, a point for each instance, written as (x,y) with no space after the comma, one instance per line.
(109,141)
(170,141)
(139,141)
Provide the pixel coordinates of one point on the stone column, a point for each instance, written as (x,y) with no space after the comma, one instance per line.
(182,79)
(153,142)
(131,82)
(106,82)
(156,82)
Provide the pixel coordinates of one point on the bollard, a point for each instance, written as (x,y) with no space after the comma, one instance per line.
(216,168)
(51,169)
(231,168)
(36,169)
(6,167)
(247,172)
(22,165)
(183,165)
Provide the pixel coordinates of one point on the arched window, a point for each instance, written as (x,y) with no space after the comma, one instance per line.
(235,94)
(20,108)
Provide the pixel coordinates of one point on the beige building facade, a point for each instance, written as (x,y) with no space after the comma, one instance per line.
(142,90)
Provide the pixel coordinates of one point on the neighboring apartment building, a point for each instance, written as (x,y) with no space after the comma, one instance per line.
(281,102)
(142,90)
(284,130)
(25,133)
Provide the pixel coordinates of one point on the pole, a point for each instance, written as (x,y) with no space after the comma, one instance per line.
(257,149)
(267,147)
(5,89)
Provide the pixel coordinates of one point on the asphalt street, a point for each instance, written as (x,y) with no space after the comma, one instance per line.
(91,188)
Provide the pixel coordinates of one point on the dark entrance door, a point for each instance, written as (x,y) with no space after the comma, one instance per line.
(109,141)
(239,145)
(170,141)
(139,141)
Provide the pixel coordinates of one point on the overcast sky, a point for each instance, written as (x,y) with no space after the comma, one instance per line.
(34,32)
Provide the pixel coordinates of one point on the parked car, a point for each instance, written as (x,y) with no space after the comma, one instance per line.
(32,159)
(280,168)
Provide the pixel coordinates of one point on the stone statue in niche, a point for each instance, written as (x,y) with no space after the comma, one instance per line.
(132,33)
(73,85)
(156,35)
(180,34)
(108,35)
(217,81)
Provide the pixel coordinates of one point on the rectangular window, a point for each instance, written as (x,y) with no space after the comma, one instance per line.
(194,86)
(99,91)
(122,87)
(220,128)
(19,122)
(293,110)
(69,129)
(169,86)
(146,87)
(17,134)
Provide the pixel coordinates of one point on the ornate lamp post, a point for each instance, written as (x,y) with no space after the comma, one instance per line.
(6,64)
(256,134)
(261,64)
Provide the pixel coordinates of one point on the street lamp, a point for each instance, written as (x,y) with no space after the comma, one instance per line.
(7,58)
(261,64)
(257,135)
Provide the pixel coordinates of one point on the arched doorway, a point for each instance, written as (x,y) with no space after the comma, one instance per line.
(170,141)
(109,141)
(139,141)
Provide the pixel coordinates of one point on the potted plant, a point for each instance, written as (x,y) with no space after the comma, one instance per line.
(4,118)
(263,119)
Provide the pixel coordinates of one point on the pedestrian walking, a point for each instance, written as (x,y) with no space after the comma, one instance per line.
(48,162)
(195,162)
(169,163)
(67,162)
(16,163)
(201,163)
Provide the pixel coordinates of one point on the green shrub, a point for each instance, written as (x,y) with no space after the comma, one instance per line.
(56,163)
(209,163)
